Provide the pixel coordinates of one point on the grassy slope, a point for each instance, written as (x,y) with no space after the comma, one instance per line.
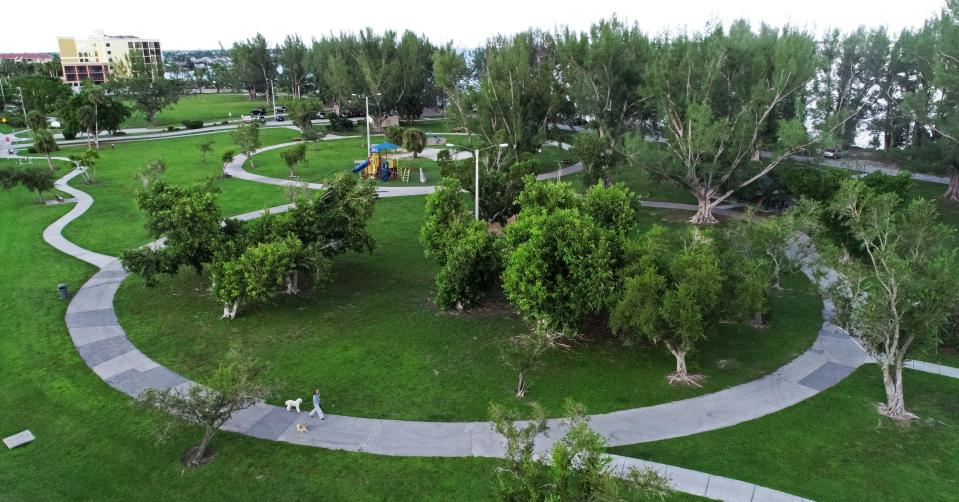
(116,188)
(373,341)
(92,444)
(206,107)
(835,446)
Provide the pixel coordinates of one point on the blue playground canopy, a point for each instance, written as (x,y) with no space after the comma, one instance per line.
(383,146)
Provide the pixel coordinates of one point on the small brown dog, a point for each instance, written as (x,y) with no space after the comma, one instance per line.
(302,428)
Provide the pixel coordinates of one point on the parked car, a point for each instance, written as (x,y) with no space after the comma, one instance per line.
(280,117)
(319,116)
(258,112)
(247,119)
(281,109)
(831,153)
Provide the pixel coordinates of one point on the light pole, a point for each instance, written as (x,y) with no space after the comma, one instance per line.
(23,104)
(368,146)
(476,153)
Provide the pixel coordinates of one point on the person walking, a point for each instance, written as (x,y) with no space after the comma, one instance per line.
(316,405)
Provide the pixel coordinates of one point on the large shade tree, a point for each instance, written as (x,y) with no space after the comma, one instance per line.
(896,288)
(716,95)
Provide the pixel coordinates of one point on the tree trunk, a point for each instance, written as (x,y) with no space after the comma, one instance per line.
(151,116)
(521,384)
(704,213)
(681,375)
(952,193)
(40,194)
(758,321)
(229,310)
(895,406)
(292,283)
(202,447)
(250,156)
(50,162)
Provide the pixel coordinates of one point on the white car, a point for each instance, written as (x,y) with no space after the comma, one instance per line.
(830,153)
(247,119)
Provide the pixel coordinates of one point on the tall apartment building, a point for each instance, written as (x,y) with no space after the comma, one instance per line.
(98,57)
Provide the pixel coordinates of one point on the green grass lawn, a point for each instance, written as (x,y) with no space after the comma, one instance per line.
(205,107)
(328,158)
(835,446)
(114,223)
(93,444)
(375,344)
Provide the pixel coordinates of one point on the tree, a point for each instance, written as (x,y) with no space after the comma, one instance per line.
(394,134)
(91,111)
(45,143)
(294,156)
(151,173)
(149,92)
(579,467)
(302,113)
(716,95)
(525,349)
(87,161)
(898,295)
(291,57)
(253,65)
(235,384)
(188,218)
(254,274)
(560,262)
(603,70)
(36,121)
(247,138)
(414,140)
(205,148)
(37,179)
(41,93)
(672,299)
(509,94)
(467,253)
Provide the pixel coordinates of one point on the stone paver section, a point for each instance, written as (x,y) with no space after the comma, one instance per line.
(101,342)
(18,439)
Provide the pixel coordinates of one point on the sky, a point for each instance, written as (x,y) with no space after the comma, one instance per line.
(204,24)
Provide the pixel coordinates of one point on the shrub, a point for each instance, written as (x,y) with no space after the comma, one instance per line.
(119,133)
(224,122)
(339,123)
(170,129)
(193,124)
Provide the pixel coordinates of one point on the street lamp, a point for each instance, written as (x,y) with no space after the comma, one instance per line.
(476,153)
(368,146)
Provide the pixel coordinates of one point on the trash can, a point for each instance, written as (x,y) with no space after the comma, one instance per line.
(64,292)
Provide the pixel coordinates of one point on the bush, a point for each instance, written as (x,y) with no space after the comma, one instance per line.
(16,121)
(192,124)
(339,123)
(812,182)
(31,149)
(224,122)
(170,129)
(119,133)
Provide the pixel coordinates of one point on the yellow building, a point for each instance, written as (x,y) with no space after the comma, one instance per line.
(98,57)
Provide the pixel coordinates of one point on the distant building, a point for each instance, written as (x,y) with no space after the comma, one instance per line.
(26,57)
(98,57)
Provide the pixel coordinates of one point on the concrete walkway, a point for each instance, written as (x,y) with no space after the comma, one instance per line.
(103,345)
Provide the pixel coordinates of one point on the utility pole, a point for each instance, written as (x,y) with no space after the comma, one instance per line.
(23,104)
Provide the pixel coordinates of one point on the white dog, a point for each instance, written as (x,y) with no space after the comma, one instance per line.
(291,403)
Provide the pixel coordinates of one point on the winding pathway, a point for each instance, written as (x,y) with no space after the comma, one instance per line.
(103,345)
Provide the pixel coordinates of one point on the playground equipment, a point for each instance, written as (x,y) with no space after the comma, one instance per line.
(379,164)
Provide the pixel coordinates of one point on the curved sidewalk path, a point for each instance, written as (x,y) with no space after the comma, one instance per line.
(103,345)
